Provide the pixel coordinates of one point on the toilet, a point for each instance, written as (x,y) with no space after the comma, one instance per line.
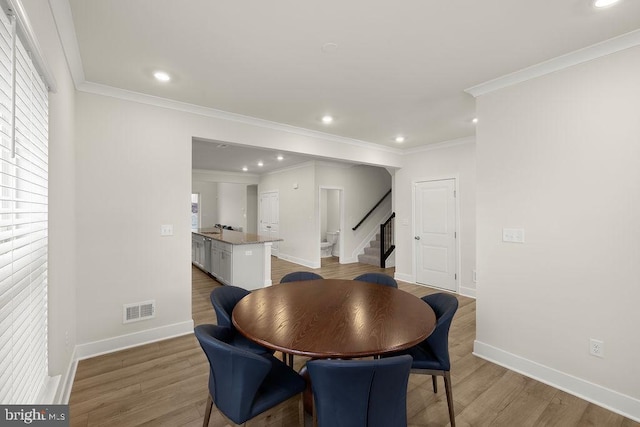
(328,248)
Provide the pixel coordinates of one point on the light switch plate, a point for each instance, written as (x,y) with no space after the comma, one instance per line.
(513,235)
(166,230)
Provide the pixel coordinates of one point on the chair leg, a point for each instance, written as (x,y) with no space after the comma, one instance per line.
(207,411)
(435,383)
(291,360)
(447,387)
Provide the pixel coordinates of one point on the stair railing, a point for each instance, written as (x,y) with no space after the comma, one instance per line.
(371,211)
(387,243)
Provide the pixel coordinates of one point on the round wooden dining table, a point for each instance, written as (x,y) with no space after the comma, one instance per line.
(333,318)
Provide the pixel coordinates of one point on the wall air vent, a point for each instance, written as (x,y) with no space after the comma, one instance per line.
(138,311)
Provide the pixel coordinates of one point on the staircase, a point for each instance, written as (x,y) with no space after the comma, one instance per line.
(372,253)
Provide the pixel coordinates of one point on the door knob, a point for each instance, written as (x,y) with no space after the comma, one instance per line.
(417,237)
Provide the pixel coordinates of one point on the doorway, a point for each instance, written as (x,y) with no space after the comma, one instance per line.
(331,217)
(435,233)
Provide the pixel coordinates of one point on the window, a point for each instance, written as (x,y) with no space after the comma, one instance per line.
(23,222)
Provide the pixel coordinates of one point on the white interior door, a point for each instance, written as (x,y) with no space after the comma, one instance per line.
(269,217)
(435,234)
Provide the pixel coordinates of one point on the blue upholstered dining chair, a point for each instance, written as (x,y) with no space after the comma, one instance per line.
(298,276)
(378,278)
(431,356)
(243,384)
(224,299)
(366,393)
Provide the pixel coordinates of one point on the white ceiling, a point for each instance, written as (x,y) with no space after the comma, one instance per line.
(399,67)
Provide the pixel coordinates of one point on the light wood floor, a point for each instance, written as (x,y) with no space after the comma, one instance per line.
(165,383)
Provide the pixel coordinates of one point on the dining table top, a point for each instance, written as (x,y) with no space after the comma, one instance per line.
(333,318)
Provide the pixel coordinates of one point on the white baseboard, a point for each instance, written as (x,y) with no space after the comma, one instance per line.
(405,277)
(122,342)
(601,396)
(299,261)
(48,393)
(468,292)
(64,390)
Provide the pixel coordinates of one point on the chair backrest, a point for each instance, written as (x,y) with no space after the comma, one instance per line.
(378,278)
(297,276)
(370,393)
(444,306)
(223,299)
(235,374)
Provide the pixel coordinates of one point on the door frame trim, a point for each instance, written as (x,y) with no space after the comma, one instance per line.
(414,182)
(342,214)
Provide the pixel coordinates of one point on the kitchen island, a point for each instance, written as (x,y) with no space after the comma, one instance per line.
(233,257)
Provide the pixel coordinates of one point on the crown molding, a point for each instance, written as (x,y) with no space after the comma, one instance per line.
(441,145)
(589,53)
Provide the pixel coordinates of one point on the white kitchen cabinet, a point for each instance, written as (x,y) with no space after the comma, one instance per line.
(215,259)
(197,251)
(226,265)
(234,258)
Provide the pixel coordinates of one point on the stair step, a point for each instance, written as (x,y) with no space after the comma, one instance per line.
(369,259)
(372,251)
(375,244)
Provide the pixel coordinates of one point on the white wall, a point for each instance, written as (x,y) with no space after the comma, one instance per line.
(454,159)
(363,187)
(297,210)
(232,204)
(62,199)
(208,202)
(252,209)
(559,156)
(134,174)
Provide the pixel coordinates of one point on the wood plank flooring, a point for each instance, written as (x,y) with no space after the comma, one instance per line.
(165,383)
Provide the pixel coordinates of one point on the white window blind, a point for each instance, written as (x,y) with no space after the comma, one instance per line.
(23,223)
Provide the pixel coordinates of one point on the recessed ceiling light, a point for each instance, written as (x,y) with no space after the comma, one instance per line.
(280,158)
(162,76)
(327,119)
(244,168)
(474,120)
(604,3)
(260,164)
(399,139)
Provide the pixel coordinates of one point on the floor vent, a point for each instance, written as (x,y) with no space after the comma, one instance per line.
(138,311)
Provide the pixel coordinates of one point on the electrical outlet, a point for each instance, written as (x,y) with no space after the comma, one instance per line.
(513,235)
(166,230)
(596,347)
